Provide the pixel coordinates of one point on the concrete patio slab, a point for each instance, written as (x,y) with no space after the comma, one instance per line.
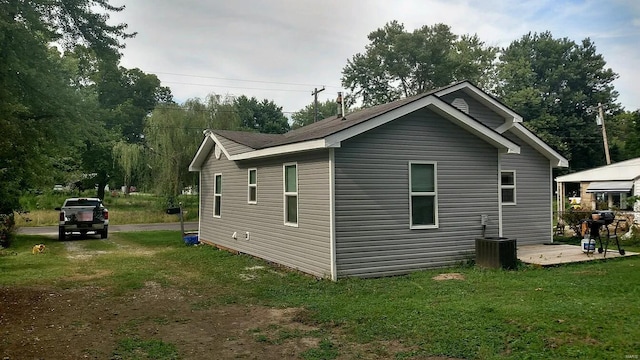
(548,255)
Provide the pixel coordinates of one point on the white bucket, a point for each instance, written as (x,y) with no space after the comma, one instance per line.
(588,245)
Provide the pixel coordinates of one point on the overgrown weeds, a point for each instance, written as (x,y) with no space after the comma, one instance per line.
(123,209)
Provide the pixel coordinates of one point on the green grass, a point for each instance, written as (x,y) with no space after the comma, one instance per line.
(19,266)
(583,311)
(139,349)
(326,350)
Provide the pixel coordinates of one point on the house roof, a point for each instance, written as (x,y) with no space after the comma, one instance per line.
(315,130)
(331,131)
(513,123)
(621,171)
(482,97)
(535,142)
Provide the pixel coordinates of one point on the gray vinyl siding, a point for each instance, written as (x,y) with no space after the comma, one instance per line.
(372,196)
(232,147)
(306,247)
(476,109)
(529,220)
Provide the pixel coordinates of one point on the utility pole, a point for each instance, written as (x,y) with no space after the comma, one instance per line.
(604,133)
(315,102)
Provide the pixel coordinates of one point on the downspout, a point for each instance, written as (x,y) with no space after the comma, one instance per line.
(332,214)
(499,195)
(200,212)
(559,200)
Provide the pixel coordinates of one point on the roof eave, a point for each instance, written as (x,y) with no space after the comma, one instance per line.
(285,149)
(438,106)
(511,116)
(209,142)
(558,161)
(204,150)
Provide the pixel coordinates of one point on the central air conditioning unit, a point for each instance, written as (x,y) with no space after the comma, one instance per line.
(496,252)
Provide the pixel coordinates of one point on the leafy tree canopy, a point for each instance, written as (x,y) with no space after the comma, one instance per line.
(307,115)
(169,139)
(556,85)
(129,95)
(398,63)
(261,116)
(623,132)
(40,109)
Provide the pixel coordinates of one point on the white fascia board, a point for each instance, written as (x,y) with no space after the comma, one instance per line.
(475,127)
(205,148)
(504,127)
(284,149)
(218,143)
(484,98)
(536,143)
(433,103)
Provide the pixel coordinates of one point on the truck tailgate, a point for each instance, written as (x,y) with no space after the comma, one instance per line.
(84,215)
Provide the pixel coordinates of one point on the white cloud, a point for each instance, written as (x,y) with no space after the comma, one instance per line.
(308,42)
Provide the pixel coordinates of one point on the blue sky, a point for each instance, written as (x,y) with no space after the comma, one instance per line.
(282,49)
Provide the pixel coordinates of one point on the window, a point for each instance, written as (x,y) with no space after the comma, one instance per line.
(423,204)
(291,194)
(252,183)
(508,187)
(217,195)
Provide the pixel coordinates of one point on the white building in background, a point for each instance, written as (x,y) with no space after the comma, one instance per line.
(612,184)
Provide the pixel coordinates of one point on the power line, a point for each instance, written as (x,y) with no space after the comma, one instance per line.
(233,87)
(243,80)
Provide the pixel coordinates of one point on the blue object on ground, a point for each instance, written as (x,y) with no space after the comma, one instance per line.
(191,240)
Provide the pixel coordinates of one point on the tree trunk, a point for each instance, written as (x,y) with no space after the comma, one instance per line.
(102,179)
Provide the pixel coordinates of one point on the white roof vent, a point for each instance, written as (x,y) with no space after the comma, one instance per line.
(461,105)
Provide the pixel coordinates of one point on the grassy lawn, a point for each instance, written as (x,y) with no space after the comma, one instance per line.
(581,311)
(130,209)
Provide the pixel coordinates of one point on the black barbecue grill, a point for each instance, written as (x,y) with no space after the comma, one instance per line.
(601,219)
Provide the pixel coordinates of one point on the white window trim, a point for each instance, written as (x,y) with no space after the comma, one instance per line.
(250,185)
(434,194)
(216,195)
(503,186)
(285,194)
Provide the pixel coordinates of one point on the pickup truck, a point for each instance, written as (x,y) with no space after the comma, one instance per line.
(83,215)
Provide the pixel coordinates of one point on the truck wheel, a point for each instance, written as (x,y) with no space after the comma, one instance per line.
(61,233)
(105,232)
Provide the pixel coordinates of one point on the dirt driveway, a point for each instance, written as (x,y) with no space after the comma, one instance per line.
(88,324)
(92,323)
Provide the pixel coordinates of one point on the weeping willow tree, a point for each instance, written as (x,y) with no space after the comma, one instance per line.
(130,158)
(174,132)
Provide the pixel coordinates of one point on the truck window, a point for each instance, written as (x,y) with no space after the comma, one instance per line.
(82,202)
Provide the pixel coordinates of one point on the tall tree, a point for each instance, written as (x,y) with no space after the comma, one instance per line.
(130,95)
(169,138)
(38,104)
(261,116)
(623,132)
(307,115)
(398,63)
(556,85)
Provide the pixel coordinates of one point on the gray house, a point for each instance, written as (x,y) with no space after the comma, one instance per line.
(382,191)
